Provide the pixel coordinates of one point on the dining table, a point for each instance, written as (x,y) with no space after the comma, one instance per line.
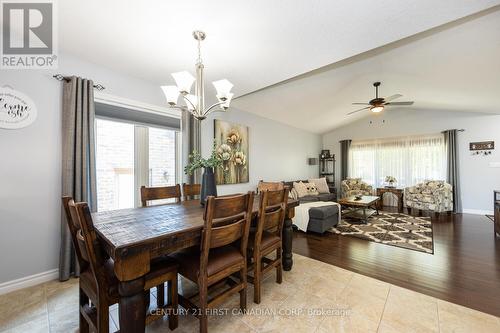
(133,237)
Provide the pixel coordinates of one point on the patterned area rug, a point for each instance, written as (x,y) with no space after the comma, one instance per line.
(396,229)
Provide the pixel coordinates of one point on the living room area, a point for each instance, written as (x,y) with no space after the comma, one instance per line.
(257,166)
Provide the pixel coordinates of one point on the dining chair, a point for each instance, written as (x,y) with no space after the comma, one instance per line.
(222,254)
(271,186)
(159,193)
(98,283)
(190,191)
(267,238)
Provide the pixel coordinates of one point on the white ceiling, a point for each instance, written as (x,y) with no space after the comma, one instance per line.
(456,67)
(259,43)
(252,43)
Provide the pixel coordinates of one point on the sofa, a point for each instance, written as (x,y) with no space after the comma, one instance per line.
(355,186)
(311,198)
(433,195)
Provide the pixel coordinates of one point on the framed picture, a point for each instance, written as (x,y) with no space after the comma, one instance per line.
(232,146)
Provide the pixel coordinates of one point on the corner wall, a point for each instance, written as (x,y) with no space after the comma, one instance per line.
(30,163)
(478,179)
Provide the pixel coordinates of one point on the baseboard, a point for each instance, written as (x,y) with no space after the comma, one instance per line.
(477,211)
(28,281)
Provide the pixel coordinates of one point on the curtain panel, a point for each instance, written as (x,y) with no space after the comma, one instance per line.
(344,158)
(452,168)
(410,160)
(78,160)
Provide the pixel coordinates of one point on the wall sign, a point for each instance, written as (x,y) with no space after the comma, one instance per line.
(16,109)
(485,145)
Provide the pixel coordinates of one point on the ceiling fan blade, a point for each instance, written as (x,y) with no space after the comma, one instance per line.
(393,97)
(359,110)
(361,104)
(399,103)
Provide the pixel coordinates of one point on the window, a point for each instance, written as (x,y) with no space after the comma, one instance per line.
(129,155)
(411,160)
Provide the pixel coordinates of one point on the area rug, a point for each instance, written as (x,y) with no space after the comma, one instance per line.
(396,229)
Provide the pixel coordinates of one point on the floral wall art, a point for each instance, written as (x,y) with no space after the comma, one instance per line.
(232,147)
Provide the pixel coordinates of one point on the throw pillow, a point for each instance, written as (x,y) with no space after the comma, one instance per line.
(311,189)
(321,185)
(300,188)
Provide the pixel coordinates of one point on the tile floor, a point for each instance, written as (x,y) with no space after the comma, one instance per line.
(314,297)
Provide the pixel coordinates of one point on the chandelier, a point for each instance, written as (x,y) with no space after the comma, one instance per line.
(196,103)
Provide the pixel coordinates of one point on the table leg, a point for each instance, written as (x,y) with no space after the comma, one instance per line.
(132,306)
(287,236)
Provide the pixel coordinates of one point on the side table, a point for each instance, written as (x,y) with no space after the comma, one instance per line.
(397,191)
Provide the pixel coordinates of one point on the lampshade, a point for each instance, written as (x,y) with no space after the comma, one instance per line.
(223,88)
(171,94)
(184,81)
(377,109)
(226,103)
(194,101)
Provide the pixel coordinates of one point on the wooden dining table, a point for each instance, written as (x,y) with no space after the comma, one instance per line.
(133,237)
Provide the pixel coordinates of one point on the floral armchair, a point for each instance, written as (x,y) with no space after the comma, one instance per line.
(434,195)
(355,186)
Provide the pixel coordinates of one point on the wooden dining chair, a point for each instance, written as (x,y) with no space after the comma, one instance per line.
(267,238)
(98,283)
(271,186)
(222,254)
(159,193)
(190,191)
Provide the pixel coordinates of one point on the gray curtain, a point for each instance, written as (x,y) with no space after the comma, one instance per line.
(191,140)
(344,158)
(452,169)
(78,160)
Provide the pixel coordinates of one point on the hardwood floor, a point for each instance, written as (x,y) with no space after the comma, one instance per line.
(464,269)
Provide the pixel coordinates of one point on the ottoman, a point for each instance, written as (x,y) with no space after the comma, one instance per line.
(323,218)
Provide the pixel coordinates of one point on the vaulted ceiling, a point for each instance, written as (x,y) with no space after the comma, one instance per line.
(260,43)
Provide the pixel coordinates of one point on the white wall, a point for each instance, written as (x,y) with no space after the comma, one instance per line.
(477,178)
(30,163)
(276,151)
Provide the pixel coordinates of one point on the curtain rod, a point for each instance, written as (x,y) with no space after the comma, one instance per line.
(60,77)
(458,130)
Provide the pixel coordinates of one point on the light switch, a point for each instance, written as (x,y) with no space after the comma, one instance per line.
(494,164)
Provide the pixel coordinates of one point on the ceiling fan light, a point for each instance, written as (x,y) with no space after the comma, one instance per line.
(377,109)
(184,81)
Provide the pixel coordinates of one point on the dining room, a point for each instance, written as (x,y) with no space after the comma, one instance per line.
(152,154)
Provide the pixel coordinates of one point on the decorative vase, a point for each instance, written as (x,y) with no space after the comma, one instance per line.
(208,186)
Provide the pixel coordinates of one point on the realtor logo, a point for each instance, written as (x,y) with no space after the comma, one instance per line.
(28,35)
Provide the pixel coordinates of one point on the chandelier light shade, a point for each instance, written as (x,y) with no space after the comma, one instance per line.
(195,103)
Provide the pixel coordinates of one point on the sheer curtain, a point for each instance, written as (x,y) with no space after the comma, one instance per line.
(409,159)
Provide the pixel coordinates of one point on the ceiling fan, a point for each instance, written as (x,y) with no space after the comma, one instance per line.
(378,103)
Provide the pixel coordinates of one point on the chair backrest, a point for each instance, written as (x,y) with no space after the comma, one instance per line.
(158,193)
(272,210)
(190,191)
(271,186)
(227,220)
(91,251)
(74,228)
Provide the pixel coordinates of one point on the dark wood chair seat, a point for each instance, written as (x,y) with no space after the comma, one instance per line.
(219,259)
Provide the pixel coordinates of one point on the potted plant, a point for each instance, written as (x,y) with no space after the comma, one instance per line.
(196,161)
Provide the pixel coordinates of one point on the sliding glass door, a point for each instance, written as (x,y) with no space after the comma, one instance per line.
(130,155)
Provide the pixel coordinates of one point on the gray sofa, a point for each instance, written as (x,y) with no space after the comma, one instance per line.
(311,198)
